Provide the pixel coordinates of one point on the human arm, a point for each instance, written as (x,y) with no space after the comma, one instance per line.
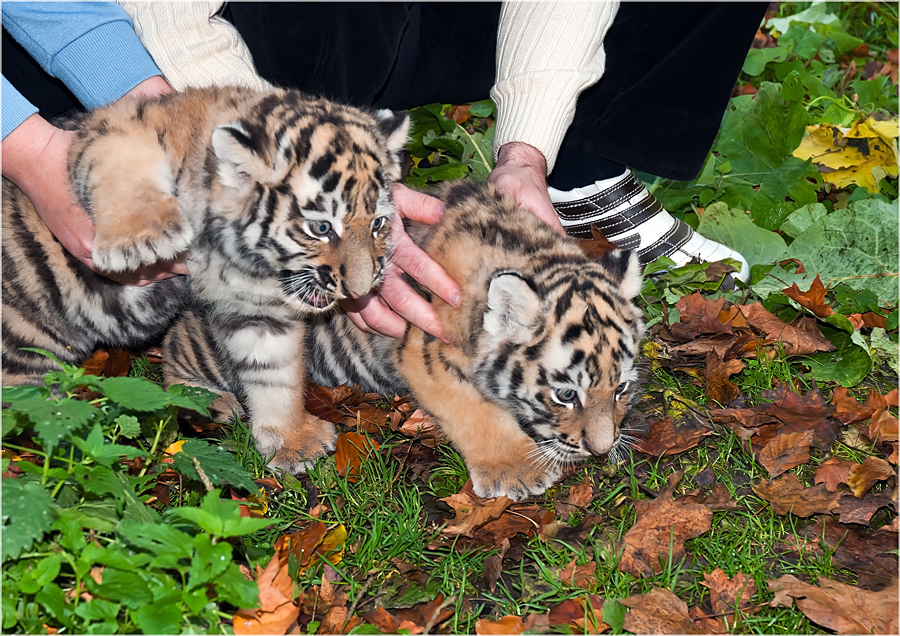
(193,45)
(547,53)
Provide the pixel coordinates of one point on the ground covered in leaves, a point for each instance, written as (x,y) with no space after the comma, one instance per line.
(760,495)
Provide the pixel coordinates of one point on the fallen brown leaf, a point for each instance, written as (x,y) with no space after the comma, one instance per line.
(658,612)
(578,498)
(833,472)
(584,614)
(493,566)
(352,448)
(726,594)
(662,438)
(388,623)
(785,451)
(597,246)
(472,511)
(320,403)
(579,575)
(812,299)
(802,412)
(507,625)
(662,524)
(863,476)
(276,611)
(847,409)
(883,427)
(788,496)
(419,424)
(842,608)
(860,510)
(699,315)
(795,340)
(719,388)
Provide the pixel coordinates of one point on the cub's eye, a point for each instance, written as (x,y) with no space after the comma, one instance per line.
(319,228)
(566,397)
(378,224)
(621,389)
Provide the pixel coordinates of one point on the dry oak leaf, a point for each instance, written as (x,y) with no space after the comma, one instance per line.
(472,511)
(662,438)
(658,612)
(662,524)
(842,608)
(726,594)
(699,315)
(352,448)
(788,496)
(579,575)
(795,340)
(860,510)
(833,472)
(863,476)
(719,388)
(277,610)
(584,614)
(785,451)
(509,624)
(812,299)
(578,497)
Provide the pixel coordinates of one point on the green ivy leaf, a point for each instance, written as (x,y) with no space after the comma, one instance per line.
(217,464)
(28,513)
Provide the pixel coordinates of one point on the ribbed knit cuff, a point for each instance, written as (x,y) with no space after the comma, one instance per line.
(16,108)
(537,109)
(104,64)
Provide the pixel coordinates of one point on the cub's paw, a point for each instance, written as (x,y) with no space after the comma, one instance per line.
(156,233)
(516,481)
(298,447)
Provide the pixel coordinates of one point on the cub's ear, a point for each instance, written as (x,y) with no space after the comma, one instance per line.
(243,161)
(624,266)
(394,127)
(513,307)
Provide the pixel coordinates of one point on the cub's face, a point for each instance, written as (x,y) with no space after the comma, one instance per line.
(562,359)
(311,204)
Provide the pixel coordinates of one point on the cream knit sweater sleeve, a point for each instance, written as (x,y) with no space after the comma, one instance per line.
(547,53)
(191,45)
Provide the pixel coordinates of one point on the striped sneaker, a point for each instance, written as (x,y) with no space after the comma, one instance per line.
(631,218)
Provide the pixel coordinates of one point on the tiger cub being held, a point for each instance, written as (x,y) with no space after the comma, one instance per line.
(281,203)
(540,367)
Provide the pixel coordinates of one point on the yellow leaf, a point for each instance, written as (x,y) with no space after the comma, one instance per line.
(332,541)
(863,155)
(175,447)
(258,505)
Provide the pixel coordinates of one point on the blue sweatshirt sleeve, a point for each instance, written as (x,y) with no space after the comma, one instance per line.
(15,108)
(90,46)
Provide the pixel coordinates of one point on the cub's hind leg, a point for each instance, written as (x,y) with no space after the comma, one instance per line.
(190,357)
(500,457)
(124,179)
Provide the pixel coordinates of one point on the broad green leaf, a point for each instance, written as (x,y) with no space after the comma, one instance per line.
(217,464)
(209,560)
(42,572)
(233,588)
(735,229)
(27,514)
(788,181)
(129,426)
(802,219)
(804,41)
(14,394)
(760,132)
(757,59)
(884,349)
(194,398)
(856,246)
(158,538)
(53,600)
(815,14)
(99,480)
(54,420)
(208,522)
(129,588)
(843,41)
(159,618)
(98,610)
(484,108)
(135,394)
(95,446)
(848,367)
(613,614)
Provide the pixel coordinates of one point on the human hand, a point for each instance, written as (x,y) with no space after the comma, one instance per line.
(388,310)
(35,158)
(521,172)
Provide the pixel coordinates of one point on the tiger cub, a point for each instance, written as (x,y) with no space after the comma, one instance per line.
(281,203)
(540,367)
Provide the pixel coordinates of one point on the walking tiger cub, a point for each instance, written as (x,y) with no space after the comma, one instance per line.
(540,366)
(281,202)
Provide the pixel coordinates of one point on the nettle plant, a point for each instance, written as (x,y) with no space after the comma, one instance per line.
(82,550)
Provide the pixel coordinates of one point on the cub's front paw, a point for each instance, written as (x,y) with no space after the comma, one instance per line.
(297,447)
(156,233)
(514,480)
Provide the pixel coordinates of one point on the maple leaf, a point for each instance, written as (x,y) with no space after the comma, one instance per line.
(352,448)
(833,472)
(662,524)
(847,409)
(662,438)
(785,451)
(727,593)
(800,413)
(842,608)
(472,512)
(795,340)
(863,476)
(658,612)
(812,299)
(788,496)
